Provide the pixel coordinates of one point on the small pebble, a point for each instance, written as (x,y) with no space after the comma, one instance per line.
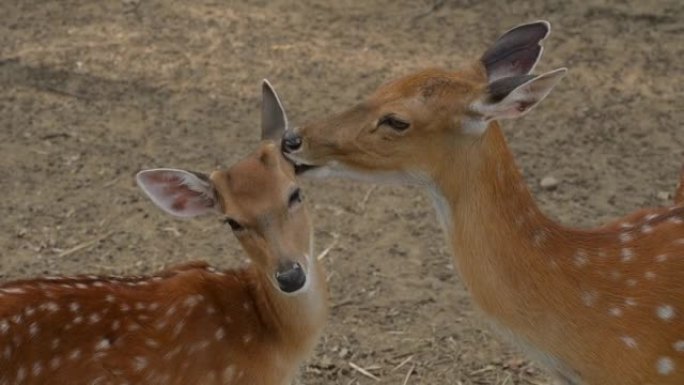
(663,195)
(549,183)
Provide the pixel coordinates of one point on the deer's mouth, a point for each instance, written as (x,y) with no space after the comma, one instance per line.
(301,168)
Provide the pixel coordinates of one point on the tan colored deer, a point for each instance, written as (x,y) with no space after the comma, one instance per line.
(596,307)
(190,325)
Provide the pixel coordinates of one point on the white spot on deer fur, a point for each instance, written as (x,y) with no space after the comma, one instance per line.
(649,275)
(629,341)
(615,311)
(211,310)
(631,282)
(178,328)
(665,366)
(198,346)
(52,307)
(679,346)
(37,368)
(170,311)
(21,374)
(78,320)
(94,318)
(153,306)
(33,329)
(625,237)
(191,301)
(109,298)
(615,275)
(13,290)
(220,333)
(676,220)
(81,286)
(580,258)
(246,338)
(679,241)
(661,258)
(75,354)
(151,343)
(626,225)
(589,298)
(172,353)
(245,305)
(139,363)
(665,312)
(116,324)
(627,254)
(651,216)
(646,229)
(228,373)
(4,326)
(74,307)
(140,306)
(55,343)
(630,301)
(125,307)
(29,311)
(538,238)
(103,344)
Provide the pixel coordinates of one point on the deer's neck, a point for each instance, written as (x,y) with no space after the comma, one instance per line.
(500,238)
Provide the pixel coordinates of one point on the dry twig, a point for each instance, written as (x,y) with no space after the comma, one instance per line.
(363,371)
(84,245)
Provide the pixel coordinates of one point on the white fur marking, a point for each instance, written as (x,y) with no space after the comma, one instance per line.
(629,341)
(665,366)
(665,312)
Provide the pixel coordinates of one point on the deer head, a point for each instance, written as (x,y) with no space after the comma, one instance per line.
(410,126)
(264,211)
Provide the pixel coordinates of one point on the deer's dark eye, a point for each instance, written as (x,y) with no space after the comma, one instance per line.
(295,198)
(233,224)
(394,123)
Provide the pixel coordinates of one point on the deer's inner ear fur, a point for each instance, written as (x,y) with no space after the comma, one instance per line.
(180,193)
(273,117)
(516,52)
(510,97)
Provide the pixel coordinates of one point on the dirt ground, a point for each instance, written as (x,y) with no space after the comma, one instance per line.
(93,91)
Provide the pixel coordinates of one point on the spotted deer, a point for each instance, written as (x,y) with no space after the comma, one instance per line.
(191,324)
(596,307)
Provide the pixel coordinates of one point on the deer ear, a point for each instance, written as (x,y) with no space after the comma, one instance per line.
(514,96)
(178,192)
(273,118)
(516,52)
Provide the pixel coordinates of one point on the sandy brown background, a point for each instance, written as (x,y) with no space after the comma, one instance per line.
(92,91)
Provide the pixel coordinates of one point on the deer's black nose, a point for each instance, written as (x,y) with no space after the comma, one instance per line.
(291,142)
(291,278)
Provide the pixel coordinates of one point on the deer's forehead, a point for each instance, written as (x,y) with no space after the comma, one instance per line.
(426,84)
(251,187)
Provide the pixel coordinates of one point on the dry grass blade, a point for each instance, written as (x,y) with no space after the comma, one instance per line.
(364,201)
(402,363)
(363,371)
(84,245)
(330,247)
(408,374)
(482,370)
